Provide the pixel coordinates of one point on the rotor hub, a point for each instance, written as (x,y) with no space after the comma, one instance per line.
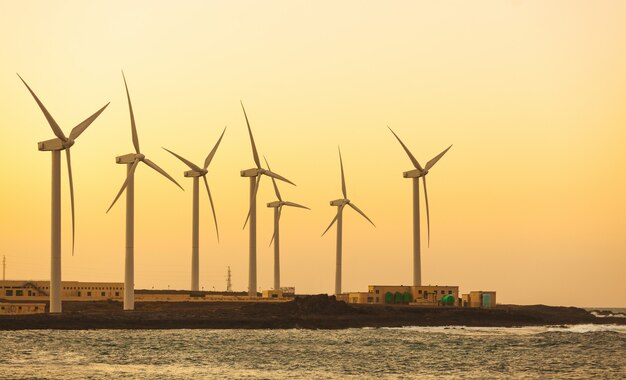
(68,143)
(140,156)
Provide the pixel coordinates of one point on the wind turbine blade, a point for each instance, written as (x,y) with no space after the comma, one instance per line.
(413,160)
(343,179)
(272,239)
(273,181)
(432,162)
(339,210)
(132,118)
(280,210)
(206,183)
(210,156)
(191,165)
(55,127)
(427,211)
(287,203)
(254,152)
(158,169)
(361,212)
(256,188)
(80,128)
(69,176)
(131,173)
(277,176)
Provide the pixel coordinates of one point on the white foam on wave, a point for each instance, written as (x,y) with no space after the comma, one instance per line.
(528,330)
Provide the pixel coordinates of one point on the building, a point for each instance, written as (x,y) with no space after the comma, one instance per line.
(276,294)
(409,295)
(481,298)
(71,290)
(21,308)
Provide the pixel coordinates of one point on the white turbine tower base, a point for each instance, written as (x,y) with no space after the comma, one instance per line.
(415,174)
(278,208)
(340,204)
(196,172)
(56,145)
(131,161)
(255,178)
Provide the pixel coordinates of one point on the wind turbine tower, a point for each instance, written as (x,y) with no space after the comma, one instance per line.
(340,204)
(4,268)
(278,208)
(131,161)
(196,172)
(255,178)
(55,146)
(415,175)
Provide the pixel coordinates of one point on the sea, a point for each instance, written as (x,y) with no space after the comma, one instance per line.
(455,352)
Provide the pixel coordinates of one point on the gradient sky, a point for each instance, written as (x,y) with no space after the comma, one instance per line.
(530,201)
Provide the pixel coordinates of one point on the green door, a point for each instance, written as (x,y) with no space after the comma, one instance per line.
(388,297)
(406,297)
(398,297)
(486,300)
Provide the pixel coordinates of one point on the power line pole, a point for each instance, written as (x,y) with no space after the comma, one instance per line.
(229,284)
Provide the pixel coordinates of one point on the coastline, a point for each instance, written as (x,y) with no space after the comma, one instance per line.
(305,312)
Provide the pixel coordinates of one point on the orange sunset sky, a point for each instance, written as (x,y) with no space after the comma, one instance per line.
(530,201)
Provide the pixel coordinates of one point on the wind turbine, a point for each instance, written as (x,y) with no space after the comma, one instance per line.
(255,178)
(278,208)
(341,203)
(61,142)
(131,161)
(415,174)
(196,172)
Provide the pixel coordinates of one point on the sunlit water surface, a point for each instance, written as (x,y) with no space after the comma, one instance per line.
(573,352)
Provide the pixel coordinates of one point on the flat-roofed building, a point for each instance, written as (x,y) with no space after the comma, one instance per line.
(430,295)
(480,298)
(70,290)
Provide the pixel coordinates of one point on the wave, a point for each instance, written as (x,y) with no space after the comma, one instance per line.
(529,330)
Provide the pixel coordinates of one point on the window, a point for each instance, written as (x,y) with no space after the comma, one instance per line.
(102,294)
(19,293)
(377,291)
(79,293)
(117,294)
(377,299)
(88,294)
(449,291)
(370,299)
(419,292)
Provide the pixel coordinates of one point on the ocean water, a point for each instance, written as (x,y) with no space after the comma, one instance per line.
(571,352)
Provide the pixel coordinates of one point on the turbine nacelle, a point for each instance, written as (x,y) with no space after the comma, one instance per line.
(254,172)
(415,173)
(195,173)
(275,204)
(129,158)
(51,145)
(340,202)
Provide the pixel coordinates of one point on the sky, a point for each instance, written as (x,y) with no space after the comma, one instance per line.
(528,202)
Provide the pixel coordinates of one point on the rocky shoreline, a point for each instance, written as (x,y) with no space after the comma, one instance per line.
(308,312)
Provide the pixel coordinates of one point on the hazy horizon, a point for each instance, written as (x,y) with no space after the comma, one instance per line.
(528,202)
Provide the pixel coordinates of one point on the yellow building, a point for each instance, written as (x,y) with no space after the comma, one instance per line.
(481,298)
(409,295)
(271,293)
(71,290)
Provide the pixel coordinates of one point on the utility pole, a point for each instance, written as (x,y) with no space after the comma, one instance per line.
(229,284)
(4,267)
